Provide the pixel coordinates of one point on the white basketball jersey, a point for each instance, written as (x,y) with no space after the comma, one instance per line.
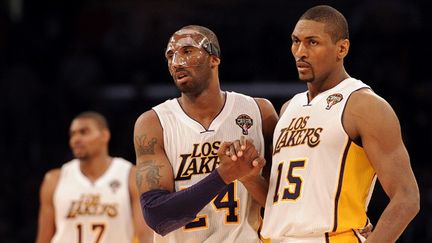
(90,213)
(321,181)
(232,216)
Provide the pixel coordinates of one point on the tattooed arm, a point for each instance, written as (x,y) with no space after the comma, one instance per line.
(164,208)
(143,233)
(154,170)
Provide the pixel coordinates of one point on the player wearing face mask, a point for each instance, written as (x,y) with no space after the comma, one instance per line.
(190,190)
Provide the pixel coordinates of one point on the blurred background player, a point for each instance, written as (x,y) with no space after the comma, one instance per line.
(92,198)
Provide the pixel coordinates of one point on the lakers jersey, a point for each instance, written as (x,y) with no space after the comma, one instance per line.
(321,181)
(87,212)
(232,216)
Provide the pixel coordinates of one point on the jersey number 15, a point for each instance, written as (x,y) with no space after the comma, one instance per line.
(293,190)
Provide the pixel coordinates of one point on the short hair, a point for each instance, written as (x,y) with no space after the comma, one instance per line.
(100,120)
(210,35)
(336,24)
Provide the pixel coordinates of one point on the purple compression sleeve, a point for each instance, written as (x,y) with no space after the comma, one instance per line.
(165,211)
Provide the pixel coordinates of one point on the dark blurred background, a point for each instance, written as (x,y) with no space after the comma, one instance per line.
(58,58)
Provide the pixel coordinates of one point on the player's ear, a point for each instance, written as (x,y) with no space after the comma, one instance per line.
(214,61)
(342,48)
(106,134)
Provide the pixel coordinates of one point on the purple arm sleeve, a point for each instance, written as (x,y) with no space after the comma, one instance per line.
(165,211)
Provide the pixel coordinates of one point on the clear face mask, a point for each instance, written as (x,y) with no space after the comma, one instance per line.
(188,48)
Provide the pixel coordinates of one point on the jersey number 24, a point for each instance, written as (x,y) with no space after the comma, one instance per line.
(226,200)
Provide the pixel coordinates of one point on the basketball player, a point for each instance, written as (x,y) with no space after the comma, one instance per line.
(189,192)
(92,198)
(330,143)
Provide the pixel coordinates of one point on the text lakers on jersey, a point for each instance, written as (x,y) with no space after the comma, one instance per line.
(91,205)
(298,133)
(202,160)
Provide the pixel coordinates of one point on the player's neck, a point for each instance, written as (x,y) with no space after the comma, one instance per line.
(204,107)
(95,167)
(318,86)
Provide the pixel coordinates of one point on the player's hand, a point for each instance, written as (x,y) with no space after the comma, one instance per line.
(237,159)
(257,164)
(366,231)
(237,147)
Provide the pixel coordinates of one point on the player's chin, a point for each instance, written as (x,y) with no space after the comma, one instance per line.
(186,88)
(306,78)
(80,155)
